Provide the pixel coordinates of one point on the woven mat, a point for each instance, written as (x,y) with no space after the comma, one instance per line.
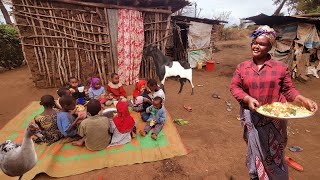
(62,159)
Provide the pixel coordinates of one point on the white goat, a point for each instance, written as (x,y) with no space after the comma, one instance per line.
(166,68)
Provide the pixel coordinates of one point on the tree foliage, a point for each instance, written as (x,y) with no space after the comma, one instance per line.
(223,16)
(191,10)
(301,6)
(11,55)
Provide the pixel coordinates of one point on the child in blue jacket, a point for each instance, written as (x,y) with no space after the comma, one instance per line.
(156,119)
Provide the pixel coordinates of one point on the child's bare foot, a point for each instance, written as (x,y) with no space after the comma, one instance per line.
(142,133)
(133,134)
(78,143)
(154,136)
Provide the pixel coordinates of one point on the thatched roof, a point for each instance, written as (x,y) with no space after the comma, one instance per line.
(201,20)
(263,19)
(174,5)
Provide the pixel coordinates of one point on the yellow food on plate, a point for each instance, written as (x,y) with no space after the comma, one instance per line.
(152,122)
(80,108)
(284,110)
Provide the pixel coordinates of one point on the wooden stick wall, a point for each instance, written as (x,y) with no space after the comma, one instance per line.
(60,42)
(65,40)
(157,32)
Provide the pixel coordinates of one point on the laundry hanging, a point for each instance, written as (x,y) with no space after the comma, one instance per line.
(130,45)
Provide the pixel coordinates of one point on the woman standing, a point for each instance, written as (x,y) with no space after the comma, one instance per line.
(260,81)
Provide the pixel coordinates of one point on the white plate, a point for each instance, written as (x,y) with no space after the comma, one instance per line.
(291,117)
(109,113)
(109,110)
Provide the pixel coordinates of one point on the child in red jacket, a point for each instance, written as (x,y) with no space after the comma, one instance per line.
(115,88)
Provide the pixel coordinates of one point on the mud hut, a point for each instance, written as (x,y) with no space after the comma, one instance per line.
(297,43)
(198,36)
(68,38)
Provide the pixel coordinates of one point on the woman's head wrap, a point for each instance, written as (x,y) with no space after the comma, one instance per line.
(266,31)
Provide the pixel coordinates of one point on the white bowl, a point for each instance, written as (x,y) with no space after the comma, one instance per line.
(109,112)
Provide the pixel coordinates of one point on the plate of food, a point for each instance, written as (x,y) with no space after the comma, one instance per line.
(284,111)
(109,112)
(80,108)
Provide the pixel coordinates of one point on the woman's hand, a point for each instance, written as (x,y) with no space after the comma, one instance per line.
(252,102)
(307,103)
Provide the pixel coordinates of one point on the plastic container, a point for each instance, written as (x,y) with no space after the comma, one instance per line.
(199,65)
(81,89)
(81,101)
(210,66)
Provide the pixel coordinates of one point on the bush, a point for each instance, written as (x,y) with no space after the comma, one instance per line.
(233,33)
(11,55)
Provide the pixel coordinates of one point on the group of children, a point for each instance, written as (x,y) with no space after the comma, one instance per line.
(61,118)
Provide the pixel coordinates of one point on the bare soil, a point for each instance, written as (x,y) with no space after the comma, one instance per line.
(213,136)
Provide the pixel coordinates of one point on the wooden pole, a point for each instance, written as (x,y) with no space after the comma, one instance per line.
(167,32)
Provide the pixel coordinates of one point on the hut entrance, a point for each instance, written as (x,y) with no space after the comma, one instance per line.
(197,37)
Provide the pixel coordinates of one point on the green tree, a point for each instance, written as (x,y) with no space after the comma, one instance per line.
(300,6)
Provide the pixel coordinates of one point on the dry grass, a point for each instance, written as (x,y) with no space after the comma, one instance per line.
(233,33)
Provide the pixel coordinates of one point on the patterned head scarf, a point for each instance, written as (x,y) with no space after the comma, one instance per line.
(265,31)
(94,81)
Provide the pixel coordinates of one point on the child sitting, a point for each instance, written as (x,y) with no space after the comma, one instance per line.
(122,125)
(67,124)
(139,88)
(156,91)
(47,122)
(73,87)
(97,91)
(137,103)
(62,92)
(115,88)
(156,119)
(94,130)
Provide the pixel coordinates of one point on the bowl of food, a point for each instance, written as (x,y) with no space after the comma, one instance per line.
(109,112)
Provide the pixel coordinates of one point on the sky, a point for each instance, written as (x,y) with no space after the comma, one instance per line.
(239,8)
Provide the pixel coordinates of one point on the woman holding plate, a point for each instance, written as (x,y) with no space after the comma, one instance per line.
(260,81)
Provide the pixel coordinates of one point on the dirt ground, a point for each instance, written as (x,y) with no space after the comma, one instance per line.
(213,136)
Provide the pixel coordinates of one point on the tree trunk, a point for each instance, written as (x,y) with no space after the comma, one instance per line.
(277,12)
(5,13)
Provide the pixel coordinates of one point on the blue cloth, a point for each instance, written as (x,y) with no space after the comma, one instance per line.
(64,120)
(145,116)
(159,115)
(146,104)
(93,93)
